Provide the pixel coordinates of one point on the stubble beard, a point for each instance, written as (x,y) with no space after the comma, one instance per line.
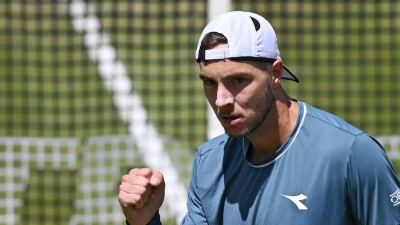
(262,116)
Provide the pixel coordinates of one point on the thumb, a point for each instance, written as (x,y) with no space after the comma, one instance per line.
(156,197)
(157,180)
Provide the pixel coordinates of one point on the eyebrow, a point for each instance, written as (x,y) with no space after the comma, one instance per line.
(203,76)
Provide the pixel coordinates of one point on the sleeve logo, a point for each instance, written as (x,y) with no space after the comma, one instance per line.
(395,197)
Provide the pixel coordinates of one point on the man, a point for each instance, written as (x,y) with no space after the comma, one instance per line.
(281,161)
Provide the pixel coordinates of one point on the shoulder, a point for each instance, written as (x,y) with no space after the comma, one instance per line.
(366,150)
(210,159)
(334,137)
(211,149)
(214,151)
(339,128)
(322,120)
(213,144)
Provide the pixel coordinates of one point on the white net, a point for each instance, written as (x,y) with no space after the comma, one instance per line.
(392,145)
(20,155)
(98,165)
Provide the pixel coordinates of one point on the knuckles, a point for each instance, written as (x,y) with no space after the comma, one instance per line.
(135,188)
(130,199)
(138,177)
(125,178)
(124,200)
(145,172)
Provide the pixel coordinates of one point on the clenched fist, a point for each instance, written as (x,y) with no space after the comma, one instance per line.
(141,194)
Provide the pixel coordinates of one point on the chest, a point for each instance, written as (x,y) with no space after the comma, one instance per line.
(291,191)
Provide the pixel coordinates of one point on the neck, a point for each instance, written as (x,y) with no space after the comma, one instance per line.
(275,130)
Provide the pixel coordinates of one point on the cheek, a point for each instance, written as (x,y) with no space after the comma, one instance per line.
(253,101)
(245,100)
(210,96)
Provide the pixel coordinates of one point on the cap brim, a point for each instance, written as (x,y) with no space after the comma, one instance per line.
(288,75)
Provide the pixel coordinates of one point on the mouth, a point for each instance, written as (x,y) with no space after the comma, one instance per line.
(231,120)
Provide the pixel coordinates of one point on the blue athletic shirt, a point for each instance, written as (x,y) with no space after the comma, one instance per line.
(327,172)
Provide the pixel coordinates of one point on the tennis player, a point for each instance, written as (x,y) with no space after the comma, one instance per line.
(281,161)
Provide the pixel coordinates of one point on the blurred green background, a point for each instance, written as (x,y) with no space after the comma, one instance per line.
(346,55)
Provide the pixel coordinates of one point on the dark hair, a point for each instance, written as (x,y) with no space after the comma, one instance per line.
(213,39)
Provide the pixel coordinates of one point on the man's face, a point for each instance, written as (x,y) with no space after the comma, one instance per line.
(240,94)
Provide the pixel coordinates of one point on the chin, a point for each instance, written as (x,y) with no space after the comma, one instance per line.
(240,134)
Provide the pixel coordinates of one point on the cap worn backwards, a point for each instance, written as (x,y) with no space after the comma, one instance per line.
(249,36)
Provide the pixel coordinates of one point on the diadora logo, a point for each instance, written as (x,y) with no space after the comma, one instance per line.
(296,200)
(395,197)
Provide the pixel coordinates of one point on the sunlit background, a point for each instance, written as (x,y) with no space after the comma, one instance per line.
(91,89)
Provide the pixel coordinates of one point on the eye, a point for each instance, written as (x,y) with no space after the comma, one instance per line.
(208,82)
(239,80)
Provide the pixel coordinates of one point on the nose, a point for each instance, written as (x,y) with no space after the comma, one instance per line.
(224,96)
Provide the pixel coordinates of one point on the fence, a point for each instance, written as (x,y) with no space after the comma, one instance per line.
(62,181)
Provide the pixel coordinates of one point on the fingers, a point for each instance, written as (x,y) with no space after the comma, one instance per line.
(137,186)
(135,180)
(129,197)
(144,172)
(137,193)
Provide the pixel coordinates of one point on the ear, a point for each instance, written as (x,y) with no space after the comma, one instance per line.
(277,72)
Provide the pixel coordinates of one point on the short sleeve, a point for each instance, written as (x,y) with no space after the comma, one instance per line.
(372,183)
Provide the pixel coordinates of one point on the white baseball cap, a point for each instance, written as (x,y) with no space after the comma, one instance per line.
(249,36)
